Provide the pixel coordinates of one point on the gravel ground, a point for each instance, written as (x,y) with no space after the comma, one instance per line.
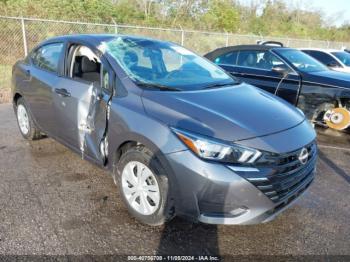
(54,203)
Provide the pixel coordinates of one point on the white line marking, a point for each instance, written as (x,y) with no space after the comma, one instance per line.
(334,147)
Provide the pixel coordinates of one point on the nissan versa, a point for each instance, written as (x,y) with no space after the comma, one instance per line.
(180,136)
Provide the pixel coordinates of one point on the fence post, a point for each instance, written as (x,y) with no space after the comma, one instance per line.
(24,37)
(182,36)
(115,26)
(227,35)
(261,38)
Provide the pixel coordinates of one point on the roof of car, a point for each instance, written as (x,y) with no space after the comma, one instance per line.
(213,54)
(95,39)
(326,50)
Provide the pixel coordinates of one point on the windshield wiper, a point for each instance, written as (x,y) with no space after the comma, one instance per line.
(157,86)
(221,85)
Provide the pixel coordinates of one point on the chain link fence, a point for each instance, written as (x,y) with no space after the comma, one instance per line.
(19,35)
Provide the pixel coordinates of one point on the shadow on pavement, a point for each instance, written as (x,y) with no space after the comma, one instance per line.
(181,237)
(334,166)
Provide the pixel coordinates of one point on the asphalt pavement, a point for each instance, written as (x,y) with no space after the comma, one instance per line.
(54,203)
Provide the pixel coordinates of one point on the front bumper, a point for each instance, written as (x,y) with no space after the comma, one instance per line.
(213,193)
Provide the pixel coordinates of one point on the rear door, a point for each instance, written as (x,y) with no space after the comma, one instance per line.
(256,68)
(42,75)
(82,102)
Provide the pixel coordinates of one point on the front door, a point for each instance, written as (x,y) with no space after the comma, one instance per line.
(256,68)
(82,100)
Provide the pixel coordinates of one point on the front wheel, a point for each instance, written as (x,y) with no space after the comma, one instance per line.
(144,186)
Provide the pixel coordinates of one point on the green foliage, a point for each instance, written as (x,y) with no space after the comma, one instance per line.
(266,17)
(222,15)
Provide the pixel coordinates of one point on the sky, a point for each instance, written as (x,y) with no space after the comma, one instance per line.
(337,11)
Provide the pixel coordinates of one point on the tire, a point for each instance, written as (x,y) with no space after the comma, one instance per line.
(320,111)
(25,121)
(138,156)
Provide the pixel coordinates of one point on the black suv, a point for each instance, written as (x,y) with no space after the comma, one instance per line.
(323,95)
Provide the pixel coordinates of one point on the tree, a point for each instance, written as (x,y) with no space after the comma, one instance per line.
(222,15)
(266,17)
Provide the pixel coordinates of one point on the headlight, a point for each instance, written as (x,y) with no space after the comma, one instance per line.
(214,150)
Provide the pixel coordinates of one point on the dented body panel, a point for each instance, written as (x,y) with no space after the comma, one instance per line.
(321,93)
(316,93)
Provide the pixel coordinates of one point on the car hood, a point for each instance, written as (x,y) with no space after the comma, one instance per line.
(231,113)
(345,69)
(328,77)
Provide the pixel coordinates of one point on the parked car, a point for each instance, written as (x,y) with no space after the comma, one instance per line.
(334,59)
(322,94)
(180,135)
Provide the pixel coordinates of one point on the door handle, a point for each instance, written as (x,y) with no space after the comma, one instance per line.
(28,76)
(62,92)
(237,73)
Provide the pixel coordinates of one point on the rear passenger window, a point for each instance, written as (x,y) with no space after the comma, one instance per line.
(227,59)
(47,57)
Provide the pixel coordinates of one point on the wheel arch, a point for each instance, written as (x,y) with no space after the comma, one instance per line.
(15,98)
(134,139)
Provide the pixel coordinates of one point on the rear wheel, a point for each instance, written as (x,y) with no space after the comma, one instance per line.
(144,186)
(25,122)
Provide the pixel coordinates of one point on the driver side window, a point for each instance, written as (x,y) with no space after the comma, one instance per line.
(86,66)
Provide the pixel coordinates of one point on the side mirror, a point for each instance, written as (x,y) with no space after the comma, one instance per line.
(282,70)
(332,64)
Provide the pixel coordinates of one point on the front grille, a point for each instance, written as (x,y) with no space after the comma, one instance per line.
(289,175)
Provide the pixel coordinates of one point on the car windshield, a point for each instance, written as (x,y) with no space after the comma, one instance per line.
(301,61)
(344,57)
(165,66)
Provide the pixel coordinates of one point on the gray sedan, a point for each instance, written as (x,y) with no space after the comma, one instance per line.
(179,135)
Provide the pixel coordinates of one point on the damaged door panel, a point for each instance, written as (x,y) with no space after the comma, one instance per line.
(85,115)
(83,108)
(93,125)
(325,105)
